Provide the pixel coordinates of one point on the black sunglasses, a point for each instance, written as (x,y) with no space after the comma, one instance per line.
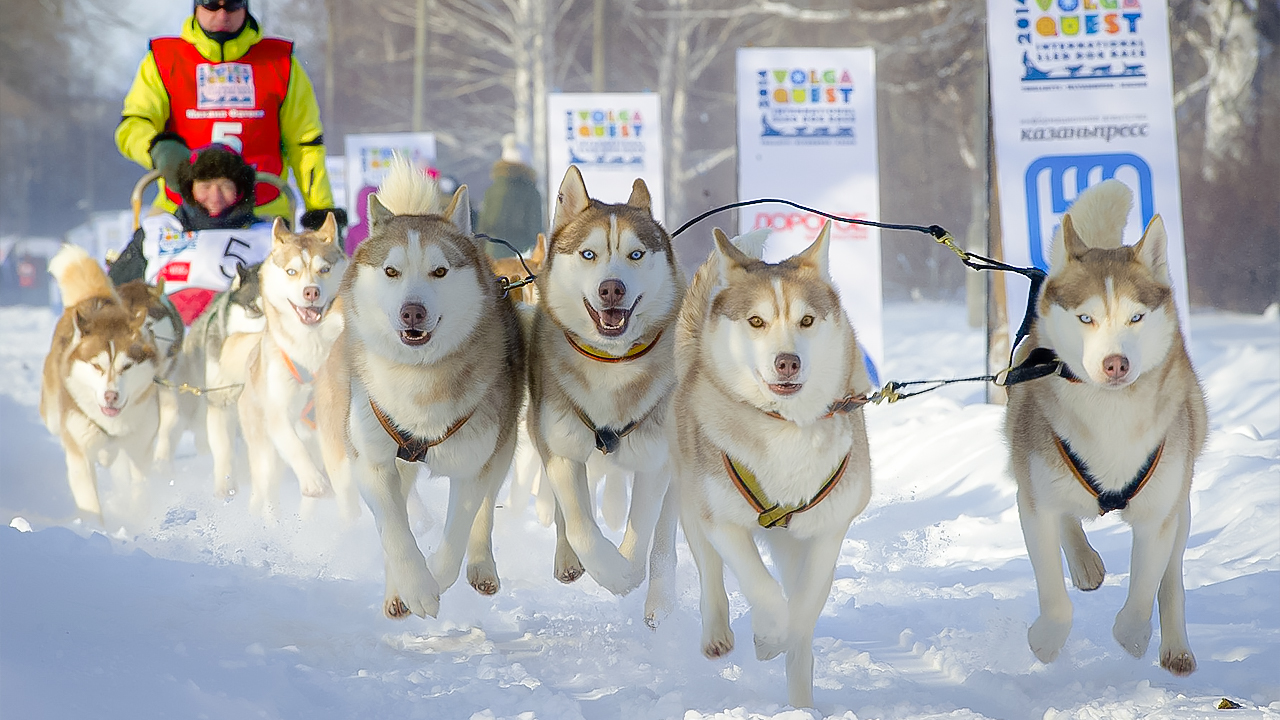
(228,5)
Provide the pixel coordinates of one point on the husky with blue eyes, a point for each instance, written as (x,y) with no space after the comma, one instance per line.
(429,369)
(601,377)
(299,284)
(1118,427)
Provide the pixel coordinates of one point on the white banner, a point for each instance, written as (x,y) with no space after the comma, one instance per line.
(367,160)
(807,133)
(613,138)
(1081,91)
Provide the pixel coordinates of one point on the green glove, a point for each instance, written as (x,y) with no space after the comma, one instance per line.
(168,153)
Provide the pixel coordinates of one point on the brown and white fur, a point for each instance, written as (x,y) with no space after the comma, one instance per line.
(1107,311)
(610,283)
(762,350)
(299,284)
(98,394)
(430,340)
(160,319)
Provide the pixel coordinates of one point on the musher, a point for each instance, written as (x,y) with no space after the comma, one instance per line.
(223,81)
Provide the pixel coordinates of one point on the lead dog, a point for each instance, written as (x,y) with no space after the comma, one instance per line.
(1118,429)
(601,373)
(98,394)
(429,368)
(769,442)
(299,284)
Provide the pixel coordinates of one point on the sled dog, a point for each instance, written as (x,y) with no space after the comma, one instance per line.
(161,321)
(299,284)
(1118,428)
(512,269)
(98,394)
(235,313)
(602,373)
(429,368)
(770,442)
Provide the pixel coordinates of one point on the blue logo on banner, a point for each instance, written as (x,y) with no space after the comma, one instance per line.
(1083,165)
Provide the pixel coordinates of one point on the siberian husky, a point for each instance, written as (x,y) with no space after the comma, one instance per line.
(235,313)
(429,369)
(98,394)
(299,284)
(1120,429)
(769,442)
(601,372)
(160,319)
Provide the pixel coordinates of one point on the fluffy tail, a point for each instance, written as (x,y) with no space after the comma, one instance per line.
(406,190)
(752,243)
(1099,214)
(79,276)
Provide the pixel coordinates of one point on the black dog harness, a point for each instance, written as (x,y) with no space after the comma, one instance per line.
(412,448)
(1108,500)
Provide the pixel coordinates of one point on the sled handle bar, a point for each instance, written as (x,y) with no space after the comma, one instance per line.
(135,198)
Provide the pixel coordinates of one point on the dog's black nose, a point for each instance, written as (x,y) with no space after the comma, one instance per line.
(311,293)
(413,316)
(787,365)
(111,397)
(612,292)
(1115,366)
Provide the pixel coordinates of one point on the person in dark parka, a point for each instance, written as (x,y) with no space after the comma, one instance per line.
(512,206)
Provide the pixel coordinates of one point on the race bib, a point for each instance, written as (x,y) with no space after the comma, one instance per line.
(205,259)
(225,86)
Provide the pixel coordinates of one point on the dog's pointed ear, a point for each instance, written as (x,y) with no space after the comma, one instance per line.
(539,254)
(81,324)
(731,258)
(1153,248)
(1072,244)
(817,255)
(279,233)
(571,199)
(157,290)
(459,210)
(377,212)
(752,243)
(329,230)
(640,196)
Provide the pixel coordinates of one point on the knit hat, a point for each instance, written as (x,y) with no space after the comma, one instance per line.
(213,162)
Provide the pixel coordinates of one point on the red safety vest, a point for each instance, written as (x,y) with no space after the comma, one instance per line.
(235,103)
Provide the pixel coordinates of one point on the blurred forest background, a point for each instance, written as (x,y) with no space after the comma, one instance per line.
(472,70)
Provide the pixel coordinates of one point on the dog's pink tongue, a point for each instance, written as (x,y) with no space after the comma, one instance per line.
(309,315)
(110,411)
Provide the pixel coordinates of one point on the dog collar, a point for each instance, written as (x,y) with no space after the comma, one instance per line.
(637,351)
(1108,500)
(608,439)
(303,377)
(773,514)
(412,448)
(1040,362)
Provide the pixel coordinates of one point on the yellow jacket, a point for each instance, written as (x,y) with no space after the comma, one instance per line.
(146,110)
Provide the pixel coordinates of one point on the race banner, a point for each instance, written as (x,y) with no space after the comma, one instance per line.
(807,133)
(613,138)
(367,160)
(1081,92)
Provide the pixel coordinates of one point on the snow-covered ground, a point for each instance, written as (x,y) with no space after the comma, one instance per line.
(191,608)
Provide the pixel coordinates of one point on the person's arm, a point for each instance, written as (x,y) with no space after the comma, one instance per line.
(303,138)
(146,110)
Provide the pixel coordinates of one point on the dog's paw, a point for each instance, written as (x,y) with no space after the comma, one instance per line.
(1133,634)
(1046,638)
(411,590)
(1087,570)
(1178,660)
(313,486)
(657,603)
(568,568)
(483,577)
(717,642)
(224,489)
(618,576)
